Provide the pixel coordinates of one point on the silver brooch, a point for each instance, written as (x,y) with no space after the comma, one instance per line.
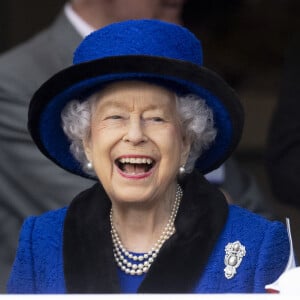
(234,254)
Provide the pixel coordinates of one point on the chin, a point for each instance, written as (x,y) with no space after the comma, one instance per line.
(134,194)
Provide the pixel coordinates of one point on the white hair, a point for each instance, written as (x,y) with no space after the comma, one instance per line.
(197,125)
(195,116)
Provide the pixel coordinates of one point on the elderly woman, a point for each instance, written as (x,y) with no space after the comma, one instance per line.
(137,111)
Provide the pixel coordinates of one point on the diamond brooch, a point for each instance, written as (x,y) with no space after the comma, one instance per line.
(234,253)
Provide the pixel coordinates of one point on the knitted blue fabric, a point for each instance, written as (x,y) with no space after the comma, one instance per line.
(38,267)
(129,284)
(141,37)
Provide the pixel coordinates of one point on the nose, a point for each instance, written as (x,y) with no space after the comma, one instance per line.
(135,132)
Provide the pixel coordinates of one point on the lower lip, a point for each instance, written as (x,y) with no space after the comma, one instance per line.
(135,176)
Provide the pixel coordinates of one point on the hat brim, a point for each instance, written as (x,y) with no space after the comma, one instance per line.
(78,81)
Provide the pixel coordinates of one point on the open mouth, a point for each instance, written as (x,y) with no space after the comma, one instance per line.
(135,165)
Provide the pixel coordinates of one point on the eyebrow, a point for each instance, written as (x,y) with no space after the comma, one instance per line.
(114,103)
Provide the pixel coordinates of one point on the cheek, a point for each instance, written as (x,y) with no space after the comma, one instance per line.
(171,144)
(101,155)
(101,140)
(103,132)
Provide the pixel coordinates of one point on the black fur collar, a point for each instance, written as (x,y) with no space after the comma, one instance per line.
(88,256)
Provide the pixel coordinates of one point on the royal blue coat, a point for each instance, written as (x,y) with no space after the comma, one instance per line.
(70,250)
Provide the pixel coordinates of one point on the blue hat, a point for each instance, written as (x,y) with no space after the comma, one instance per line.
(148,50)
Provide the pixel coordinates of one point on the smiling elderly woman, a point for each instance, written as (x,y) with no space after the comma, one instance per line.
(110,113)
(137,112)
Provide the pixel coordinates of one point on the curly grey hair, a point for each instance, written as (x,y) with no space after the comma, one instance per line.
(195,116)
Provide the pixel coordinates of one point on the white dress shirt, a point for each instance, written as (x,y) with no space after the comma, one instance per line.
(79,24)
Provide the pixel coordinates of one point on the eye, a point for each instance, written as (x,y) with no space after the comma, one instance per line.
(113,117)
(157,119)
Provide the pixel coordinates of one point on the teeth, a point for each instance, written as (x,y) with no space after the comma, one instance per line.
(139,160)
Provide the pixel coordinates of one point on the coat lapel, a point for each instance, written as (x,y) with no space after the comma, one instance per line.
(88,256)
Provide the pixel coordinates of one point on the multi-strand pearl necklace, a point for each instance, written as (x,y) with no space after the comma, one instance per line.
(139,264)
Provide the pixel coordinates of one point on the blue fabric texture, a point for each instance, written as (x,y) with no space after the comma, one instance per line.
(141,37)
(38,267)
(129,284)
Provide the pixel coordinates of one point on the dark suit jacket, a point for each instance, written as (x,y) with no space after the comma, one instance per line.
(29,183)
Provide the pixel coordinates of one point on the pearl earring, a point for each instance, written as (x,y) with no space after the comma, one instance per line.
(182,170)
(89,166)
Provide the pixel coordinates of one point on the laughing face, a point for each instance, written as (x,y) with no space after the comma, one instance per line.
(136,145)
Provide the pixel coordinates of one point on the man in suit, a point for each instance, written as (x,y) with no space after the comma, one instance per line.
(29,183)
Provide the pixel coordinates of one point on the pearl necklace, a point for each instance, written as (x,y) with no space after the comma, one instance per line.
(139,264)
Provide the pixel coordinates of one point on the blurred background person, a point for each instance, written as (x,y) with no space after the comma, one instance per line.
(283,147)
